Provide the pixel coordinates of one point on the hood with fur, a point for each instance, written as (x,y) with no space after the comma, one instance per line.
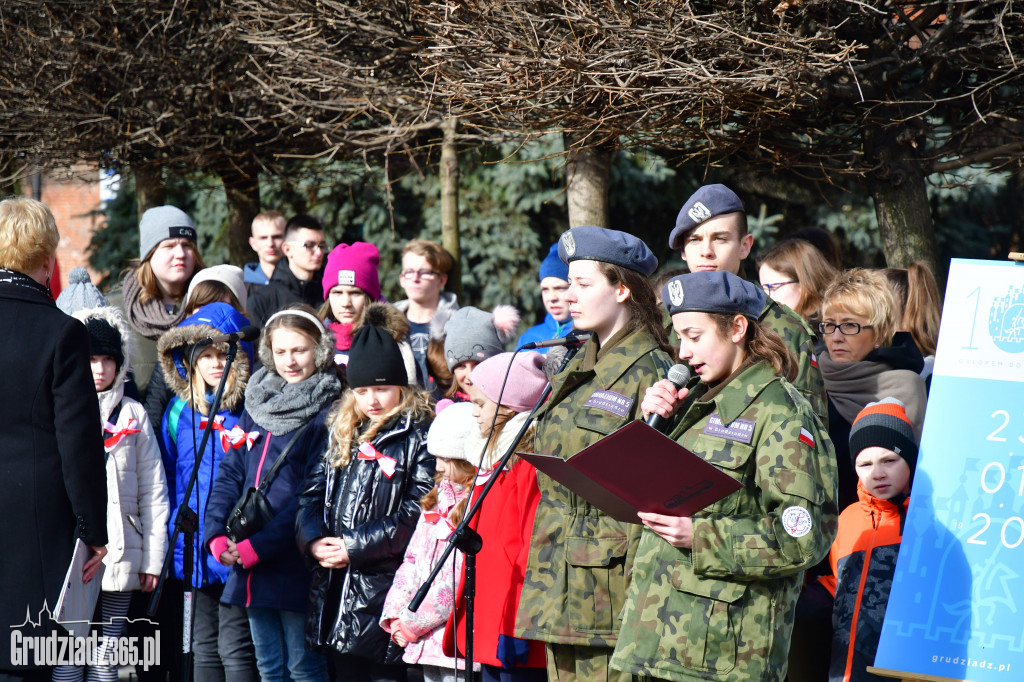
(213,319)
(323,355)
(115,319)
(392,320)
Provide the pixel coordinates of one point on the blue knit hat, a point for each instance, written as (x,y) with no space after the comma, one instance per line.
(552,266)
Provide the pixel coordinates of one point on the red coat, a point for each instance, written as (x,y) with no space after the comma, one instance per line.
(505,522)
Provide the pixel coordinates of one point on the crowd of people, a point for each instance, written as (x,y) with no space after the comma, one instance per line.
(347,443)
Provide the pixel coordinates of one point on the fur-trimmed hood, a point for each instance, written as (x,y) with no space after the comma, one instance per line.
(213,319)
(323,356)
(115,319)
(391,319)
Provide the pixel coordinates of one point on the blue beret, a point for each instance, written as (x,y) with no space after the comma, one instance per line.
(609,246)
(705,203)
(552,265)
(713,292)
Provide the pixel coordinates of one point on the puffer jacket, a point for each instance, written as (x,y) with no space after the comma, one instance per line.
(181,430)
(863,559)
(137,507)
(375,516)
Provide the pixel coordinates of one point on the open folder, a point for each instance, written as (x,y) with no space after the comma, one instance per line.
(638,468)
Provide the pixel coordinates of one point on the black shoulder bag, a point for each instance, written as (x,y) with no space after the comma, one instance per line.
(253,510)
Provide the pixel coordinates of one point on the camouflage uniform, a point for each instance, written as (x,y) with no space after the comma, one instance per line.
(799,339)
(578,570)
(724,610)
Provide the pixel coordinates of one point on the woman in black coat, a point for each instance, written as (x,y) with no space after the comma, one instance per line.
(52,477)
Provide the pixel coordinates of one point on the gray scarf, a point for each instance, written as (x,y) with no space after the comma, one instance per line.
(280,407)
(151,318)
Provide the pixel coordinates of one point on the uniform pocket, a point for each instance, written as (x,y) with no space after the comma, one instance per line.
(733,458)
(594,566)
(705,635)
(598,421)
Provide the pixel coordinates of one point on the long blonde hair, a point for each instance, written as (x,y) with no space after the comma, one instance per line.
(349,426)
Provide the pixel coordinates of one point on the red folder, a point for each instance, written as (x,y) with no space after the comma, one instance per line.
(638,468)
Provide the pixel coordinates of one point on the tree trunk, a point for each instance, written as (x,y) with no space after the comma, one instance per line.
(150,190)
(450,205)
(242,188)
(586,183)
(904,216)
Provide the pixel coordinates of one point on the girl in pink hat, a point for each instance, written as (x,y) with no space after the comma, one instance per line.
(350,283)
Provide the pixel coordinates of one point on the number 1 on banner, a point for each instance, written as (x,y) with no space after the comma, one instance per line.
(974,319)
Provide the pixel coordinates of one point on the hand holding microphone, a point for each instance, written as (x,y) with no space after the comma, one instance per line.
(664,398)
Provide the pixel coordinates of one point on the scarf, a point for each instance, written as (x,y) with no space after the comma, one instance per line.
(18,279)
(280,407)
(496,450)
(342,334)
(852,385)
(151,318)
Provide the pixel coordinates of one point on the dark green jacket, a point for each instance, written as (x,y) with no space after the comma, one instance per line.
(578,570)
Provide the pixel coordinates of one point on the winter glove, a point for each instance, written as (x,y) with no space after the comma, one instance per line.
(512,651)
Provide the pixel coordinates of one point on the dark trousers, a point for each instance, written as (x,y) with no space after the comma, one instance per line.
(349,668)
(221,642)
(493,673)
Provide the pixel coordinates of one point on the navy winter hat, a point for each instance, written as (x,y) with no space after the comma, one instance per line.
(608,246)
(552,266)
(713,292)
(707,202)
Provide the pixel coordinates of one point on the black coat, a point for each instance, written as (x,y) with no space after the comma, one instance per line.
(53,486)
(375,516)
(284,289)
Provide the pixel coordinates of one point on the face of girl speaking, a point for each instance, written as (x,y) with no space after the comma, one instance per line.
(347,303)
(712,357)
(294,355)
(173,261)
(594,304)
(377,401)
(210,365)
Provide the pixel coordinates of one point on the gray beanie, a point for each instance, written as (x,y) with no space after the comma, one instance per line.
(472,334)
(80,293)
(163,222)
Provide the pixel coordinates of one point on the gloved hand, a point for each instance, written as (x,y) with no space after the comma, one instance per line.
(512,650)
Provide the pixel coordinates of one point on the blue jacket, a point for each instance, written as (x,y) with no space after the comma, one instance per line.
(180,427)
(280,579)
(549,329)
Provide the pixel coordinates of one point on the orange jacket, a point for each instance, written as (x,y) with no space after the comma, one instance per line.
(863,559)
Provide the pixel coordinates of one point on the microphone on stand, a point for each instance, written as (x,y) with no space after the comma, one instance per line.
(571,339)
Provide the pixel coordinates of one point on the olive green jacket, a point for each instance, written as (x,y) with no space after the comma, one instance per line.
(724,610)
(799,339)
(578,570)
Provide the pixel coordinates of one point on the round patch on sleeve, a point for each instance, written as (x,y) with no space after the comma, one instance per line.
(796,521)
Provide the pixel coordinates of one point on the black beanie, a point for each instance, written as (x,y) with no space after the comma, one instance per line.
(375,360)
(104,339)
(884,424)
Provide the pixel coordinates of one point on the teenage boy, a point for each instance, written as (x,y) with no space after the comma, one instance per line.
(711,231)
(554,285)
(266,240)
(297,276)
(425,269)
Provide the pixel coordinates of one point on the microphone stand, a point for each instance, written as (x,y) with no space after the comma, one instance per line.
(467,539)
(187,521)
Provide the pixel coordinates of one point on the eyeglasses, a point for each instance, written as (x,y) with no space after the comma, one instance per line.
(312,246)
(425,275)
(769,288)
(846,328)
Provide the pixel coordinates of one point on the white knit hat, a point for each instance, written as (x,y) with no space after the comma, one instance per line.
(230,275)
(454,433)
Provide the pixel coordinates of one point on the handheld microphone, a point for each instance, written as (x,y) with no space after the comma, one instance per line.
(678,375)
(571,339)
(249,333)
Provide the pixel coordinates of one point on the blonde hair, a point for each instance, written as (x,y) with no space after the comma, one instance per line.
(28,234)
(802,262)
(866,293)
(270,219)
(464,475)
(348,426)
(432,252)
(917,293)
(199,386)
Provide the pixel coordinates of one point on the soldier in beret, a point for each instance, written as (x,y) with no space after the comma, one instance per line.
(711,231)
(713,595)
(580,559)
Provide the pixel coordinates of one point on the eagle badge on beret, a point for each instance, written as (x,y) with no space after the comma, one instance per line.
(675,292)
(569,243)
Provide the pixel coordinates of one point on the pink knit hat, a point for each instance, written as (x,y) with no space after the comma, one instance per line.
(526,380)
(354,265)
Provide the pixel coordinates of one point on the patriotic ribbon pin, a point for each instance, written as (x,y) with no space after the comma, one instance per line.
(387,464)
(119,434)
(234,438)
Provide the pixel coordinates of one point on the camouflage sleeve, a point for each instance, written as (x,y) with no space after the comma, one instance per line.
(794,488)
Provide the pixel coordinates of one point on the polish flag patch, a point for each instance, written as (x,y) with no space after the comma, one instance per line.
(806,438)
(814,360)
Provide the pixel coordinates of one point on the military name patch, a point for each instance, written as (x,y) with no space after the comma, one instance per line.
(739,430)
(610,401)
(347,278)
(796,521)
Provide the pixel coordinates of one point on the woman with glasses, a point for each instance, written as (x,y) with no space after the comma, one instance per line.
(795,274)
(865,359)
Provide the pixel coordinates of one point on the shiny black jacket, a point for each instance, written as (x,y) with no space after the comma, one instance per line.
(376,516)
